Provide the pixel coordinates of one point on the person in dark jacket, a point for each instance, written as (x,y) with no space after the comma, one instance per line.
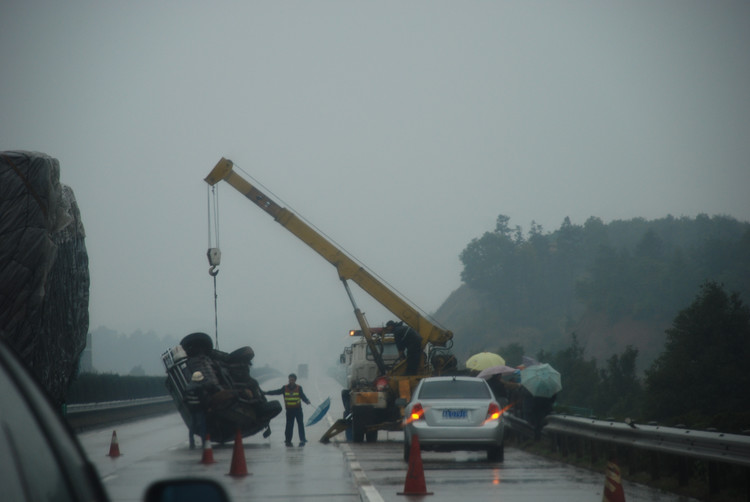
(293,399)
(498,389)
(408,343)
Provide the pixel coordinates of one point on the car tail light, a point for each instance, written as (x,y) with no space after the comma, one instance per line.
(417,413)
(493,412)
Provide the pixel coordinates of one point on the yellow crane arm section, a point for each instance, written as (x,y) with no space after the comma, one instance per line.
(345,266)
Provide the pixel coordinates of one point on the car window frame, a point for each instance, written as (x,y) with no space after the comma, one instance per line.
(426,384)
(78,472)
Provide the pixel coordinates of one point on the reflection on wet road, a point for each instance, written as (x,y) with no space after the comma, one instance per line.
(157,448)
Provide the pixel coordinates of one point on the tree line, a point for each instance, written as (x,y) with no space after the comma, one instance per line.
(636,269)
(699,380)
(536,287)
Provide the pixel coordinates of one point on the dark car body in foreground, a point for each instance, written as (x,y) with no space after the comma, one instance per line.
(43,460)
(454,413)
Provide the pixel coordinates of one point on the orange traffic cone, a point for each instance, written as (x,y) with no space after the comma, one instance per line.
(613,491)
(415,484)
(239,466)
(208,452)
(114,447)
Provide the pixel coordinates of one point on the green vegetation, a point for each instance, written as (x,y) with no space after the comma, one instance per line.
(700,377)
(597,302)
(698,381)
(636,269)
(99,387)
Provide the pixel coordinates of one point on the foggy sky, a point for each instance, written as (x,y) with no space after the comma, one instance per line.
(400,129)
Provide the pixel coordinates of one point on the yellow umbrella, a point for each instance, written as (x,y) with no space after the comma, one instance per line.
(484,360)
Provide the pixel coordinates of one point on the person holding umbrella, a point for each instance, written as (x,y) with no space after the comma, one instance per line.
(294,396)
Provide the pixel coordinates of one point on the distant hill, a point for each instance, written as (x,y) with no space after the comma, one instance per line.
(613,285)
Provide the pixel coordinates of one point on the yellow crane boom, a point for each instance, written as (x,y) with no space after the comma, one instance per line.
(346,267)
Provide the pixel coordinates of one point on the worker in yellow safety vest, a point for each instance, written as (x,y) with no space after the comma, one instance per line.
(293,399)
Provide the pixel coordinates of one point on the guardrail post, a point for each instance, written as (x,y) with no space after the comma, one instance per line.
(655,466)
(555,442)
(578,444)
(713,478)
(593,448)
(684,469)
(626,455)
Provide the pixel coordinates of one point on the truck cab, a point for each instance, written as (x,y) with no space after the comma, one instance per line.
(366,398)
(360,361)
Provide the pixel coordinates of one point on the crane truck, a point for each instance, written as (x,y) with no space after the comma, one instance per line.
(374,403)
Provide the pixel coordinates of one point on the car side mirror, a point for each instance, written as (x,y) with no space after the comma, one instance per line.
(186,490)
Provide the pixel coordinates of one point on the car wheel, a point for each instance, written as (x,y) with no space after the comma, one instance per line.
(243,355)
(496,453)
(197,344)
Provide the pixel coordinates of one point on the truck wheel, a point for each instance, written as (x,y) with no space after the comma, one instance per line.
(358,432)
(358,426)
(345,400)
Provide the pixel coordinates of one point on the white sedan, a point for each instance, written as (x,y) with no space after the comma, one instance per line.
(451,413)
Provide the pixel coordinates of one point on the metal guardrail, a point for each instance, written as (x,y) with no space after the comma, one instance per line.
(725,458)
(703,445)
(89,415)
(73,409)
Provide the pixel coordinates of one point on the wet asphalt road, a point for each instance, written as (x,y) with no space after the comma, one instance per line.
(157,448)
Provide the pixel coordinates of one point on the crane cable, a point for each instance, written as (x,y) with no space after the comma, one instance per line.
(281,201)
(214,253)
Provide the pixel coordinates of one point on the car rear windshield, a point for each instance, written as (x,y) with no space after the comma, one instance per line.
(454,389)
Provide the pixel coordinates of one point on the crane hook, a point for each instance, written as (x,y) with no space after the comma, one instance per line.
(214,259)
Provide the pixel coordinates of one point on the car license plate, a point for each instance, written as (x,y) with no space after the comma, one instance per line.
(455,414)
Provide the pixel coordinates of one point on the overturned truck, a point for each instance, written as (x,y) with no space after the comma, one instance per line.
(237,404)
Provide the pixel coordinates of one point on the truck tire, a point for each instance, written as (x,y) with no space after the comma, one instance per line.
(359,423)
(346,401)
(358,431)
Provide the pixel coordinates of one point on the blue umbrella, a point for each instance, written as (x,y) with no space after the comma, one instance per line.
(541,380)
(319,412)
